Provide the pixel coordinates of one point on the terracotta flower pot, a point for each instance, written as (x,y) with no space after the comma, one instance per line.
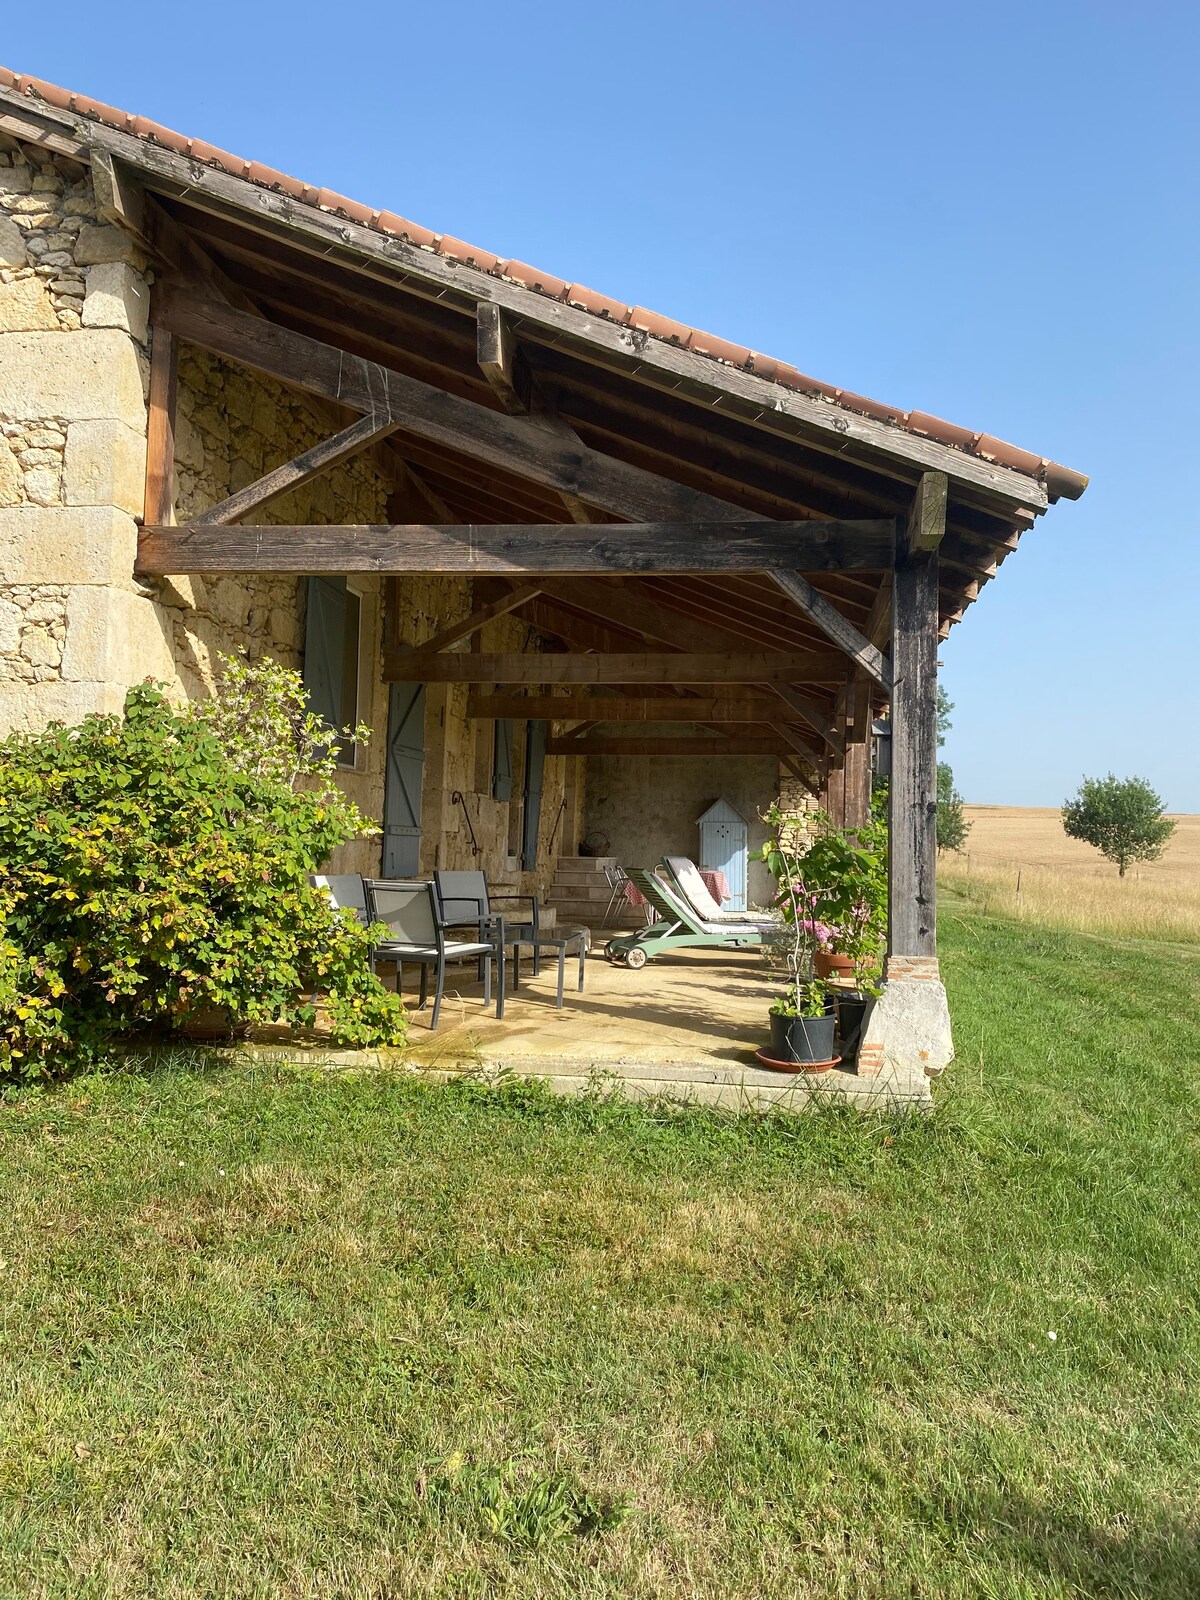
(827,964)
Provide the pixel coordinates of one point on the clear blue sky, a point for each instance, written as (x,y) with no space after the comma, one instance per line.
(988,212)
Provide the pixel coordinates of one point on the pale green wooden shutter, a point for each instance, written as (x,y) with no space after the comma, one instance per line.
(502,753)
(404,779)
(536,734)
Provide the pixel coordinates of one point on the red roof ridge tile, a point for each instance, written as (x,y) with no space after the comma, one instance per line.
(1058,480)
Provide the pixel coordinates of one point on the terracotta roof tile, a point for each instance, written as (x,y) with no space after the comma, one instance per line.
(943,432)
(483,259)
(535,278)
(1059,480)
(1009,455)
(869,408)
(597,305)
(389,222)
(736,355)
(661,327)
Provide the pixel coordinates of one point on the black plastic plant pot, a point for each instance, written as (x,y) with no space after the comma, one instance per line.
(802,1039)
(851,1014)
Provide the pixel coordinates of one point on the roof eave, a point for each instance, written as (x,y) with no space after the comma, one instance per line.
(824,416)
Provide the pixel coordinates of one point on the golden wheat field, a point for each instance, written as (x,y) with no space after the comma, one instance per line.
(1063,883)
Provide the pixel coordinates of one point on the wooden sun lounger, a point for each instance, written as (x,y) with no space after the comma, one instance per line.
(678,926)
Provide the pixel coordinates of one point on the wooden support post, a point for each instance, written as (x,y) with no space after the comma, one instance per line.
(160,433)
(856,783)
(912,918)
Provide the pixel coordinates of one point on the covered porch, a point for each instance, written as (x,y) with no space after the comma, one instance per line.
(708,557)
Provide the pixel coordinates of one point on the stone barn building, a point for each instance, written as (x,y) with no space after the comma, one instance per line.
(583,569)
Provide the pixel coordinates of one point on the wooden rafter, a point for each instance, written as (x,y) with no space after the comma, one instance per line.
(626,708)
(834,429)
(309,464)
(514,444)
(834,625)
(457,631)
(597,745)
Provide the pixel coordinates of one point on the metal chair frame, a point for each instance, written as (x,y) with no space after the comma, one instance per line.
(437,950)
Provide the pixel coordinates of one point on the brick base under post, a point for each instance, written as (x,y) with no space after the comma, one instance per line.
(907,1039)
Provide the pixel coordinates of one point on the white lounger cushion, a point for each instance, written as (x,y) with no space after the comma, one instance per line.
(703,903)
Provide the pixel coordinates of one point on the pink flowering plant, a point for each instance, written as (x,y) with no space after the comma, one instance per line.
(803,932)
(832,889)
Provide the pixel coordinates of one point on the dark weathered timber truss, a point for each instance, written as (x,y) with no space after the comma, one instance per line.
(711,567)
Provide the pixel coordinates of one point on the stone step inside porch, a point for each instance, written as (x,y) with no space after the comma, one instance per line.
(580,893)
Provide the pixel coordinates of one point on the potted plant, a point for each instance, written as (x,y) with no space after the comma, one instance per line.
(802,1019)
(833,899)
(802,1026)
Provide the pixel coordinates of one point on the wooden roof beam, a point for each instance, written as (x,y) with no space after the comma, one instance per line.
(835,429)
(541,668)
(750,707)
(523,549)
(514,444)
(479,618)
(835,626)
(599,745)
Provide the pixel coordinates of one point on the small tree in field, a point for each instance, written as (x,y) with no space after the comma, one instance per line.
(1122,817)
(952,824)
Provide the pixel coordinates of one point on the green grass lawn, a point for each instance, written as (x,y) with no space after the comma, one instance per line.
(297,1335)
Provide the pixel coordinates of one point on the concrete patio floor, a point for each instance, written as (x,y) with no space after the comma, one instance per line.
(685,1026)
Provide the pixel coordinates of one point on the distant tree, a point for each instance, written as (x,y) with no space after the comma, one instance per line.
(1122,817)
(952,824)
(944,707)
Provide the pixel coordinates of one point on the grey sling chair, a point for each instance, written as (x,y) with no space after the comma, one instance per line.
(411,912)
(465,901)
(346,891)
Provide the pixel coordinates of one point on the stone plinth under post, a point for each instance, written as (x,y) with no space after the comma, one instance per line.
(907,1039)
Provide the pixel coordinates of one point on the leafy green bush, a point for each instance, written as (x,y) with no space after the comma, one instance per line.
(151,868)
(952,824)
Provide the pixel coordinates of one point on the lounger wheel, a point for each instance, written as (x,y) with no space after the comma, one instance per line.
(635,958)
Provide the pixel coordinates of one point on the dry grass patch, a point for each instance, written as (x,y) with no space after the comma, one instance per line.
(1018,862)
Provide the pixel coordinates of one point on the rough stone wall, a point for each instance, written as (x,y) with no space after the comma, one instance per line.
(649,808)
(231,427)
(75,629)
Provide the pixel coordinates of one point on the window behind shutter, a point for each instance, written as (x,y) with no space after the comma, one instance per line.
(502,760)
(535,756)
